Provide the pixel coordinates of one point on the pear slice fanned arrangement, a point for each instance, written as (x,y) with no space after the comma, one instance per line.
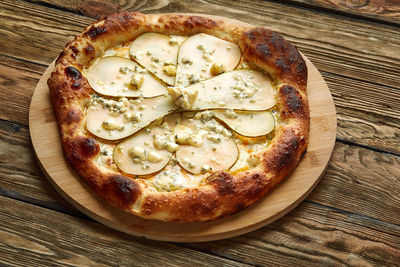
(201,69)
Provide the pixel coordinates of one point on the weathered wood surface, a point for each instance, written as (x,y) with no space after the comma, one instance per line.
(381,10)
(352,217)
(353,94)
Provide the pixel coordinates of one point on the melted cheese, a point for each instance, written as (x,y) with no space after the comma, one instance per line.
(173,176)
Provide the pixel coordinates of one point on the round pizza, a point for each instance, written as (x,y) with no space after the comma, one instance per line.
(177,117)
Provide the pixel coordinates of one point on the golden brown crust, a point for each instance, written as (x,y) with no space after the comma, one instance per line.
(223,193)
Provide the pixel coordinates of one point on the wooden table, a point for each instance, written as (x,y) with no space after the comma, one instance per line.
(351,218)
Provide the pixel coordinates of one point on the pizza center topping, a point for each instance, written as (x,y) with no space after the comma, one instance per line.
(197,74)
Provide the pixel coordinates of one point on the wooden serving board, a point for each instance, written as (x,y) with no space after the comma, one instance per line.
(47,146)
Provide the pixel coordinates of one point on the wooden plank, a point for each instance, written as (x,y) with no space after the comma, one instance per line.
(381,10)
(314,235)
(349,47)
(17,82)
(311,234)
(36,236)
(368,129)
(364,96)
(361,181)
(21,177)
(36,33)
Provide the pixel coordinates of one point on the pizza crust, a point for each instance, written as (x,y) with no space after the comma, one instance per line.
(222,193)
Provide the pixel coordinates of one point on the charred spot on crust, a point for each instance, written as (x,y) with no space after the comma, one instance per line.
(124,188)
(80,148)
(292,98)
(196,21)
(73,73)
(62,54)
(76,85)
(270,48)
(73,116)
(96,31)
(286,153)
(89,50)
(280,63)
(263,50)
(258,184)
(75,50)
(223,183)
(88,147)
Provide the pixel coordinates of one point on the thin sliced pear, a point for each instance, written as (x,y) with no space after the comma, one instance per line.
(172,120)
(199,53)
(216,156)
(122,125)
(155,51)
(111,76)
(250,124)
(141,141)
(238,89)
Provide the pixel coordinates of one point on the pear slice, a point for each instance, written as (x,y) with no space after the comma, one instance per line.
(119,76)
(238,89)
(138,156)
(157,53)
(250,124)
(211,155)
(202,56)
(105,123)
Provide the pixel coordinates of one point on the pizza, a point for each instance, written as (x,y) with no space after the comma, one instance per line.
(176,117)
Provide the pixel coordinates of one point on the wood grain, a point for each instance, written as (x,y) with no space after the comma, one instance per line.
(36,236)
(371,126)
(355,49)
(21,77)
(381,10)
(314,235)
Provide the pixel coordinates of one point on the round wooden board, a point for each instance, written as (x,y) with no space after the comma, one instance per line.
(47,146)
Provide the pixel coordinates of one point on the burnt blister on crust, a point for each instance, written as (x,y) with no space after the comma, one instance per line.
(294,105)
(73,116)
(89,50)
(122,190)
(223,183)
(73,73)
(80,148)
(271,49)
(199,22)
(95,31)
(284,155)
